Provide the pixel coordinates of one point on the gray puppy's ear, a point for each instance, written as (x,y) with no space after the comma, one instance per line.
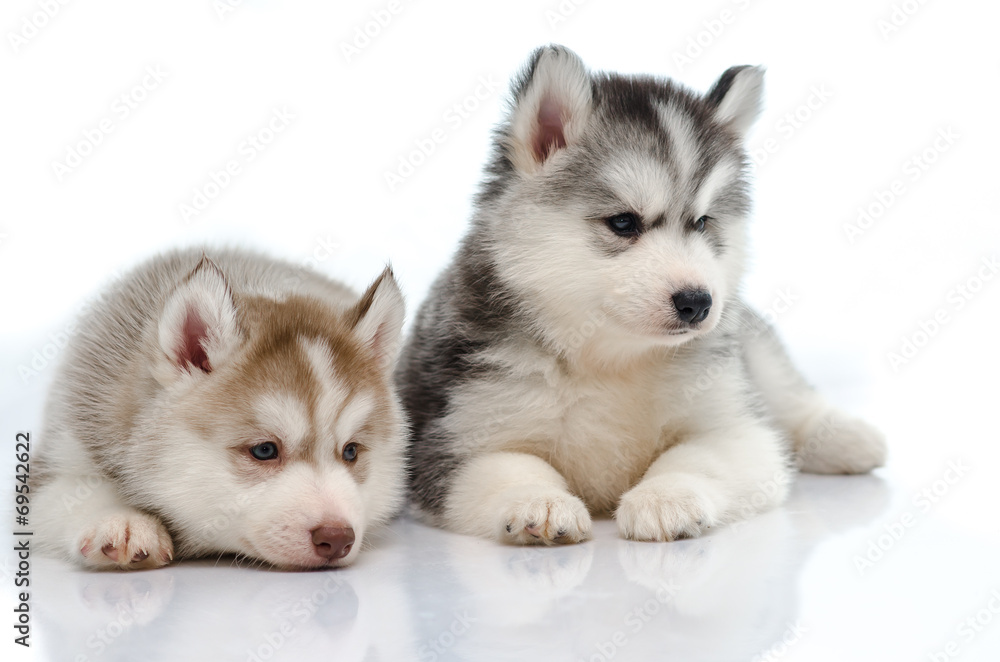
(552,101)
(737,97)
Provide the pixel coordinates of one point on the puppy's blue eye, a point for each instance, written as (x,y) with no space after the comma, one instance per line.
(266,451)
(624,225)
(350,452)
(699,225)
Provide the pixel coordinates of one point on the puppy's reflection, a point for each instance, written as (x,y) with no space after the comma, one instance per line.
(727,595)
(734,593)
(198,611)
(504,574)
(87,615)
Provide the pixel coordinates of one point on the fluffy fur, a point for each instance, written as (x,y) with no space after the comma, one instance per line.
(183,368)
(559,369)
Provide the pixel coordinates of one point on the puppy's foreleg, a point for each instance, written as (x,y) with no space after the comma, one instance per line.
(516,498)
(711,478)
(82,518)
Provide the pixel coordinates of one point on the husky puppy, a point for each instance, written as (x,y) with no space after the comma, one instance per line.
(223,402)
(587,351)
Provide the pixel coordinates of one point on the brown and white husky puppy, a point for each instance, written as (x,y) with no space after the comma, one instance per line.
(223,402)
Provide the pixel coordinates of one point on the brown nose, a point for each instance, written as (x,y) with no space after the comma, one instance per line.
(333,542)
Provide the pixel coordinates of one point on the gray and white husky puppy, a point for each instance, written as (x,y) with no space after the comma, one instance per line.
(587,351)
(223,403)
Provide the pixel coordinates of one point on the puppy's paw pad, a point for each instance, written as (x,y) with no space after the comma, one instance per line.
(668,508)
(127,541)
(552,518)
(841,444)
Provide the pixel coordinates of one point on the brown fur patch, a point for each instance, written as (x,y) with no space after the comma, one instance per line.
(273,361)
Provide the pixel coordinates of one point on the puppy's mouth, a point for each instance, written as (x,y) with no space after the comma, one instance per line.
(328,547)
(306,565)
(676,335)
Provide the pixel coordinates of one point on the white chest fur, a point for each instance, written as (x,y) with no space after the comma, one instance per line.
(599,429)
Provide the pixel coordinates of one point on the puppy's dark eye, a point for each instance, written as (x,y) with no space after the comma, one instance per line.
(624,225)
(350,452)
(699,225)
(264,452)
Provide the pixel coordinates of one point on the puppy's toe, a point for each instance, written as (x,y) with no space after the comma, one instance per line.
(127,541)
(550,518)
(668,507)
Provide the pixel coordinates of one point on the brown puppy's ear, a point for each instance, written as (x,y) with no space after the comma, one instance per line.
(737,97)
(198,329)
(552,102)
(378,319)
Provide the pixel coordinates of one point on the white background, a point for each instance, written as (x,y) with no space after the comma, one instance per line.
(865,98)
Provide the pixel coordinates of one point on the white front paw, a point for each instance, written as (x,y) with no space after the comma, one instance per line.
(549,516)
(669,507)
(128,540)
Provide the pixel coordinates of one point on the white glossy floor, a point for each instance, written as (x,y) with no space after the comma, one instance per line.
(784,585)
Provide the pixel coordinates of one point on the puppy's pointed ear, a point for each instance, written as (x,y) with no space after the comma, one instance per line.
(198,330)
(737,97)
(377,318)
(552,101)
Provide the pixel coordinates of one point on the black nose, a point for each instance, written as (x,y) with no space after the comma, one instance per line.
(333,542)
(692,305)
